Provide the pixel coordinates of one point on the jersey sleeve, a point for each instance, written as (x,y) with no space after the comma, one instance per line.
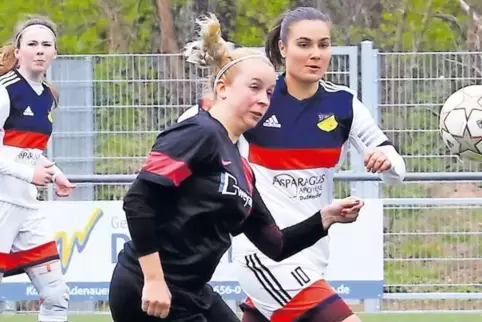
(179,151)
(176,154)
(262,231)
(7,167)
(366,136)
(188,113)
(203,104)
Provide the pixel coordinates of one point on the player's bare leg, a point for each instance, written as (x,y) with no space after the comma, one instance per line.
(327,312)
(353,318)
(54,292)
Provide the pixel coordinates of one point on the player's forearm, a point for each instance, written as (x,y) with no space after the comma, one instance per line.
(303,235)
(280,244)
(151,266)
(141,217)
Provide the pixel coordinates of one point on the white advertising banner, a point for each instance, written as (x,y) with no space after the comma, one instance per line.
(89,236)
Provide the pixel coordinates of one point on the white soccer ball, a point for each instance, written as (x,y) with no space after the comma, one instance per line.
(461,123)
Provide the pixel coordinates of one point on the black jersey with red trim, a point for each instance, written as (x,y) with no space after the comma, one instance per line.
(193,193)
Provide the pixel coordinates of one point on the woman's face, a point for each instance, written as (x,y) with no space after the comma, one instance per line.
(307,51)
(36,49)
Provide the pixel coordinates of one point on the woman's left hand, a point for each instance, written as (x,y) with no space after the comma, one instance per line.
(376,161)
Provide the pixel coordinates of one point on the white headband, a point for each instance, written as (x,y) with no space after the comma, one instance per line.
(231,63)
(31,27)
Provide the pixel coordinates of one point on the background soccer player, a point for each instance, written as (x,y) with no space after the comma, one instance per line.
(295,151)
(26,103)
(195,191)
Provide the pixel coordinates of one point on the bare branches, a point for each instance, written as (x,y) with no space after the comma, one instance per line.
(425,22)
(401,25)
(168,35)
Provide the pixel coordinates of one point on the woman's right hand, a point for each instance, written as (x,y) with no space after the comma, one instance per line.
(43,174)
(156,298)
(341,211)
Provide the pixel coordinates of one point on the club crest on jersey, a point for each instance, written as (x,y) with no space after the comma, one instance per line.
(50,116)
(327,123)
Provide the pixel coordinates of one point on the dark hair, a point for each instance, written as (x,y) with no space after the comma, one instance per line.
(281,28)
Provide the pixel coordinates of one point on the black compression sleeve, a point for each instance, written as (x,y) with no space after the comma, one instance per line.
(277,244)
(140,205)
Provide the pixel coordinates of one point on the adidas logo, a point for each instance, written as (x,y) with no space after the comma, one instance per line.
(272,122)
(28,111)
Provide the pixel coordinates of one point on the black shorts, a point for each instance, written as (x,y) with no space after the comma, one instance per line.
(125,302)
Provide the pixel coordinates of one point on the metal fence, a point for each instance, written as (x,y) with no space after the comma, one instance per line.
(434,246)
(112,106)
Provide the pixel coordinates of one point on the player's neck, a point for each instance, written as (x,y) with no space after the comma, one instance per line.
(33,77)
(300,90)
(217,112)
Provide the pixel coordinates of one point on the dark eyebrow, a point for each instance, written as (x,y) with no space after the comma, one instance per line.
(43,41)
(308,39)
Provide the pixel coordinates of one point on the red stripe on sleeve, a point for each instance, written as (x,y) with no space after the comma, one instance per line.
(248,173)
(163,165)
(25,140)
(294,159)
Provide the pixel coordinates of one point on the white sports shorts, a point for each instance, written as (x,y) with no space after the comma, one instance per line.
(26,239)
(283,291)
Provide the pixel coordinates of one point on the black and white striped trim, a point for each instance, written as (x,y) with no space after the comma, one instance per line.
(9,78)
(267,280)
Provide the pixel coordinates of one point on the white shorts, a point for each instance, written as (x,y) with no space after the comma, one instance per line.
(283,291)
(26,239)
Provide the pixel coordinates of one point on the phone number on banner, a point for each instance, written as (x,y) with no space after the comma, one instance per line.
(229,290)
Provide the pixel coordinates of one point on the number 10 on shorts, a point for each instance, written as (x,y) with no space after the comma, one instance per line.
(300,276)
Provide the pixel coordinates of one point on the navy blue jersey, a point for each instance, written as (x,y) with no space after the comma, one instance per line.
(29,124)
(25,129)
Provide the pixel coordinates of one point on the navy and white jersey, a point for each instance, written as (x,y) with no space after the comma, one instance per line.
(25,128)
(298,146)
(193,193)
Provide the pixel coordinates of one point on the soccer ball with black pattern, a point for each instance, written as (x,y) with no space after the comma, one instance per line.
(461,123)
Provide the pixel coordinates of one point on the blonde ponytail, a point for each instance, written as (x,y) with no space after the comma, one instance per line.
(55,93)
(8,61)
(210,50)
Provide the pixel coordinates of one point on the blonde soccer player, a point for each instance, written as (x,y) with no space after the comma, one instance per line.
(195,191)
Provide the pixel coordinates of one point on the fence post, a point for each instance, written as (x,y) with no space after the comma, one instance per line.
(370,97)
(73,146)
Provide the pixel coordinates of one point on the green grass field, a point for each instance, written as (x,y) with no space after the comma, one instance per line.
(425,317)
